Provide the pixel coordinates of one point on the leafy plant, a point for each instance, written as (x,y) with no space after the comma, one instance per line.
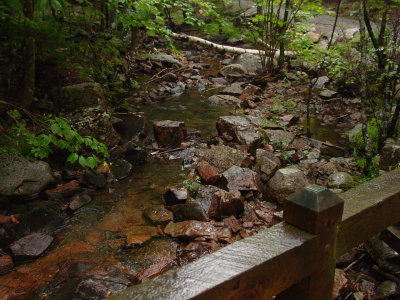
(57,135)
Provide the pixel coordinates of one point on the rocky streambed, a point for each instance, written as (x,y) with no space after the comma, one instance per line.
(228,151)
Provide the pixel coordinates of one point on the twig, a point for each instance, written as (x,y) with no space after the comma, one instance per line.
(353,263)
(164,151)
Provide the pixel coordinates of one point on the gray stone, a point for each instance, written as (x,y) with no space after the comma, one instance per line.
(190,210)
(235,89)
(280,139)
(240,179)
(355,131)
(321,81)
(224,101)
(175,196)
(20,177)
(340,180)
(165,59)
(233,70)
(239,129)
(350,33)
(390,155)
(327,94)
(81,95)
(266,164)
(252,63)
(285,182)
(31,246)
(223,157)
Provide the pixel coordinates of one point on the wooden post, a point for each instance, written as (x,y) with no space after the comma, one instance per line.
(316,210)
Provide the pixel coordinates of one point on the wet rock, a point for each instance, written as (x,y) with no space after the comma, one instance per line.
(190,229)
(80,95)
(120,169)
(22,178)
(390,155)
(233,224)
(345,164)
(152,258)
(169,133)
(280,139)
(239,129)
(135,154)
(207,173)
(38,217)
(64,190)
(94,178)
(165,59)
(285,182)
(31,246)
(327,94)
(229,204)
(78,201)
(340,180)
(226,61)
(136,235)
(251,63)
(240,179)
(223,157)
(224,101)
(178,89)
(175,196)
(266,164)
(6,263)
(235,89)
(158,214)
(386,289)
(233,70)
(191,210)
(289,120)
(101,286)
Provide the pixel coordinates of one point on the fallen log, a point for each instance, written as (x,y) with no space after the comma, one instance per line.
(231,49)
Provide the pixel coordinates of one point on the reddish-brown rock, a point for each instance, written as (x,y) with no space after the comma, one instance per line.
(169,133)
(207,173)
(6,263)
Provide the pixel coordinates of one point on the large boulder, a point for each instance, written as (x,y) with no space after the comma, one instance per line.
(81,95)
(224,157)
(235,89)
(285,182)
(239,129)
(20,177)
(233,70)
(224,101)
(252,63)
(169,133)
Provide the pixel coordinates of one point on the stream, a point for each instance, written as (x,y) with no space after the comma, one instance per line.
(97,234)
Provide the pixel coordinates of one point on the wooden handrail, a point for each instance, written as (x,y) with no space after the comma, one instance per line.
(285,260)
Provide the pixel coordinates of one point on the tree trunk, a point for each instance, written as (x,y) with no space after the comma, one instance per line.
(27,87)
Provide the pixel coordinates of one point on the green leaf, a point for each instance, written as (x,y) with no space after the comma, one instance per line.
(72,158)
(82,161)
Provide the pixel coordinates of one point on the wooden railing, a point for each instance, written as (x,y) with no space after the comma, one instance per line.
(294,259)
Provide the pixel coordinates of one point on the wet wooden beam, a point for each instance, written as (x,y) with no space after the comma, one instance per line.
(369,209)
(258,267)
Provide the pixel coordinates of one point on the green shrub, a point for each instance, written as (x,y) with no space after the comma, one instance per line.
(58,134)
